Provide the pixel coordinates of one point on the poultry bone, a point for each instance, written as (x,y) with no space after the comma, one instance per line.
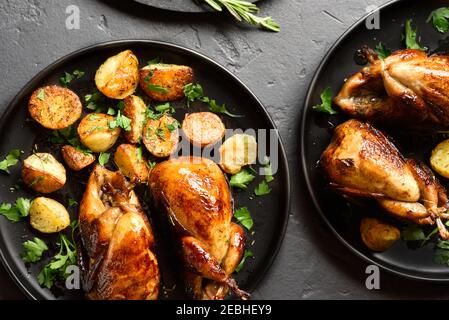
(118,240)
(195,195)
(407,88)
(362,162)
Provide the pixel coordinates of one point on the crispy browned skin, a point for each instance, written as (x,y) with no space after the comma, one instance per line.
(55,107)
(118,240)
(196,197)
(361,161)
(170,77)
(408,88)
(76,159)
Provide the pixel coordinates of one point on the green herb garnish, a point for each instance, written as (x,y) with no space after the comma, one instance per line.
(262,189)
(68,77)
(243,216)
(326,102)
(411,41)
(247,254)
(440,19)
(382,51)
(103,158)
(33,250)
(17,211)
(241,179)
(11,159)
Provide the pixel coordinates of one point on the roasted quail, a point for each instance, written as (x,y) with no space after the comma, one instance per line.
(196,197)
(362,162)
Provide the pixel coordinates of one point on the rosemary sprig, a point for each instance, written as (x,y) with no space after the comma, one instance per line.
(244,10)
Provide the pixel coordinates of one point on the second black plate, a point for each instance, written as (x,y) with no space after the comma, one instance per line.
(340,63)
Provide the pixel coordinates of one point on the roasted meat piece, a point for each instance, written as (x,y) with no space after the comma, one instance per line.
(118,240)
(196,197)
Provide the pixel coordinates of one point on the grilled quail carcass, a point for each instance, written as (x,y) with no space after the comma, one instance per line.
(408,88)
(195,195)
(362,162)
(118,240)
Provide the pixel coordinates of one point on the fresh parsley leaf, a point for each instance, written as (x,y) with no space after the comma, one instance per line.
(11,159)
(72,202)
(243,216)
(120,121)
(94,101)
(411,41)
(157,88)
(160,133)
(152,115)
(440,19)
(326,102)
(33,250)
(103,158)
(194,91)
(443,244)
(17,211)
(241,179)
(173,126)
(151,164)
(163,107)
(23,205)
(68,77)
(382,51)
(412,233)
(56,269)
(156,60)
(41,95)
(247,254)
(111,111)
(262,189)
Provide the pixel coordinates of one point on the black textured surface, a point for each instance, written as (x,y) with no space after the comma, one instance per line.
(312,263)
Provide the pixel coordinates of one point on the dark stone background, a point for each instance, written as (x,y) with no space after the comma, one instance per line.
(312,264)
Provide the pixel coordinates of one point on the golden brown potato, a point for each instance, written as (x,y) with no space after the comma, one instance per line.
(118,76)
(131,162)
(238,151)
(76,159)
(43,173)
(161,136)
(135,109)
(378,235)
(203,128)
(439,160)
(165,82)
(55,107)
(48,215)
(95,133)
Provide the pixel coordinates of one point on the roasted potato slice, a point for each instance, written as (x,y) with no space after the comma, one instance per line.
(165,82)
(118,76)
(378,235)
(131,162)
(238,151)
(43,173)
(55,107)
(439,160)
(203,128)
(75,158)
(161,136)
(48,215)
(135,109)
(95,133)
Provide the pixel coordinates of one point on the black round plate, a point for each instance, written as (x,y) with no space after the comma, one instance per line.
(270,212)
(180,5)
(316,132)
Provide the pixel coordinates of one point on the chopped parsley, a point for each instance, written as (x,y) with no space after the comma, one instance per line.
(243,216)
(242,179)
(440,19)
(411,37)
(382,51)
(262,189)
(41,95)
(16,212)
(68,77)
(247,254)
(103,158)
(11,159)
(120,121)
(33,250)
(326,102)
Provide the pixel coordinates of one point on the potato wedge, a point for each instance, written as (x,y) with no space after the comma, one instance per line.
(238,151)
(118,76)
(378,235)
(165,82)
(95,133)
(131,162)
(135,109)
(48,215)
(161,136)
(55,107)
(439,160)
(43,173)
(76,159)
(203,128)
